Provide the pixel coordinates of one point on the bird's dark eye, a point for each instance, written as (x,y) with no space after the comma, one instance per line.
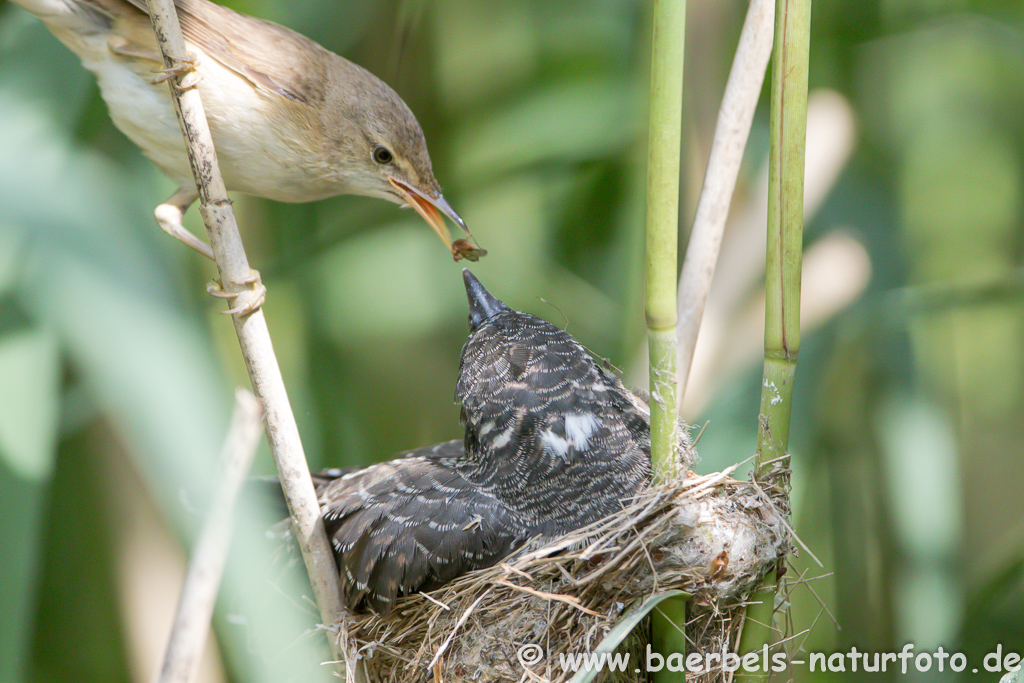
(382,155)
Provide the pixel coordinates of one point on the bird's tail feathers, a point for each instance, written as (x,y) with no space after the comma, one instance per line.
(82,25)
(79,15)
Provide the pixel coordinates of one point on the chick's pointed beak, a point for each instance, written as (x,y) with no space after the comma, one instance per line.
(431,205)
(482,304)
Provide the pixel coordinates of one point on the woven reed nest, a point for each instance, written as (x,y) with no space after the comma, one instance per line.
(711,536)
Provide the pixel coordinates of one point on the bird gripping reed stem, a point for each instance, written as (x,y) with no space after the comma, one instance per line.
(253,335)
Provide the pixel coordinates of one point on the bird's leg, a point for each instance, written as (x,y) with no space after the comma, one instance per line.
(182,66)
(170,214)
(255,284)
(123,47)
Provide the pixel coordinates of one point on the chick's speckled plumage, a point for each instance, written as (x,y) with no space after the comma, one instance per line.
(552,443)
(548,431)
(412,524)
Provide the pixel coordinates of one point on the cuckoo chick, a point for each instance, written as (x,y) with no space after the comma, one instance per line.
(552,443)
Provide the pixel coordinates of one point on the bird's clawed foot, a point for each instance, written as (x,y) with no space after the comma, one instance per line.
(182,66)
(256,291)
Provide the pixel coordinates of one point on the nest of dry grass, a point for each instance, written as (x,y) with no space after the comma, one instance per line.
(711,536)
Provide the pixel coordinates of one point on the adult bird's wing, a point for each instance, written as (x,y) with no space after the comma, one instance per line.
(270,56)
(412,524)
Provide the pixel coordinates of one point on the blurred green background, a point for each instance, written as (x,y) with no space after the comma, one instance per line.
(116,370)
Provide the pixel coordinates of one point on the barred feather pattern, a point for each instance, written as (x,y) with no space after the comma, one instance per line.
(548,431)
(552,442)
(412,524)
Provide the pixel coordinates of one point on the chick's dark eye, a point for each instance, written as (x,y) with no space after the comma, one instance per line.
(382,155)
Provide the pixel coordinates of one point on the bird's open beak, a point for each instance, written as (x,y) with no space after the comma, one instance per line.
(431,205)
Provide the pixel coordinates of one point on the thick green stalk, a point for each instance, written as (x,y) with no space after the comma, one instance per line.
(788,132)
(664,141)
(758,630)
(667,638)
(788,128)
